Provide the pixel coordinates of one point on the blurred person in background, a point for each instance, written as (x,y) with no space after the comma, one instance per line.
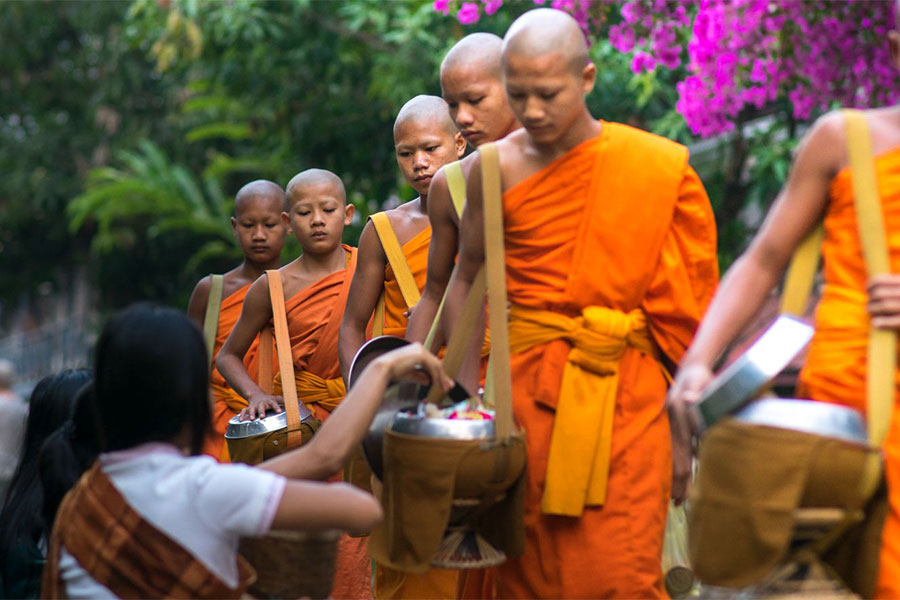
(24,527)
(12,425)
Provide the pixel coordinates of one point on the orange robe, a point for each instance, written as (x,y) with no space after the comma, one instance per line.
(389,583)
(314,315)
(226,402)
(835,369)
(621,222)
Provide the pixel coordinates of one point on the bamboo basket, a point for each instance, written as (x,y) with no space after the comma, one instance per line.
(292,564)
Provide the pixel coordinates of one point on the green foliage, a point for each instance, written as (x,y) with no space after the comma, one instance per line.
(72,92)
(127,128)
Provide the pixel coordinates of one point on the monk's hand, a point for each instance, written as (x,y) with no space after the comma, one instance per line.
(258,405)
(414,362)
(884,301)
(685,392)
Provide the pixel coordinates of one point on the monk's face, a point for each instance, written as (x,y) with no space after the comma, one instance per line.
(319,212)
(546,94)
(423,146)
(258,227)
(477,103)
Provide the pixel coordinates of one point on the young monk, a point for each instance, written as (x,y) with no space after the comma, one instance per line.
(610,261)
(424,140)
(315,291)
(472,86)
(260,233)
(820,184)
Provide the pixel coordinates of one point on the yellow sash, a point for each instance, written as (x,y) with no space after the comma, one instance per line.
(234,401)
(583,424)
(405,279)
(313,389)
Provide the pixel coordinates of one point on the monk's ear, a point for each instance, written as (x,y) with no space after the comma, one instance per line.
(234,227)
(286,220)
(460,142)
(588,77)
(349,209)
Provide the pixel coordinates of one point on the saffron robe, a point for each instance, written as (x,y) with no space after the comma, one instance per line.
(124,552)
(835,369)
(226,402)
(620,222)
(314,315)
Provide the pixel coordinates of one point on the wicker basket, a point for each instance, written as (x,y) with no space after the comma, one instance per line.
(292,564)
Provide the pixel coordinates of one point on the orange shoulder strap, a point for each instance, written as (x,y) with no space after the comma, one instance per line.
(285,358)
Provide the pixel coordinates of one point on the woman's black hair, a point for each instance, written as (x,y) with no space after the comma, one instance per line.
(23,525)
(151,379)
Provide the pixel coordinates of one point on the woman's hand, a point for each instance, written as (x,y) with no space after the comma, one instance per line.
(884,301)
(259,404)
(414,362)
(685,392)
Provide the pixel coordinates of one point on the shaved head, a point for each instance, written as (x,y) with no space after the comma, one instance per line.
(313,178)
(479,50)
(425,109)
(257,190)
(545,31)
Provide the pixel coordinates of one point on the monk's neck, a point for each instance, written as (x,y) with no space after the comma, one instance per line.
(583,128)
(252,270)
(422,203)
(324,264)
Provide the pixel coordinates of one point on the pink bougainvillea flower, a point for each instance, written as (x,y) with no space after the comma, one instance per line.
(442,6)
(492,6)
(468,13)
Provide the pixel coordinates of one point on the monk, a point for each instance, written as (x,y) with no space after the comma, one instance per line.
(260,233)
(315,291)
(471,84)
(424,140)
(610,261)
(820,184)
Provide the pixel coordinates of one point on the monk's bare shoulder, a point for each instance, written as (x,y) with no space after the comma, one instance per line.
(823,146)
(199,299)
(884,124)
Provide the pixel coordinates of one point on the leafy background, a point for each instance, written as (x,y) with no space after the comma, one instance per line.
(127,127)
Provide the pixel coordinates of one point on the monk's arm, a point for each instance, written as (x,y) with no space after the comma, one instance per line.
(338,437)
(471,250)
(199,297)
(366,287)
(796,211)
(441,254)
(255,314)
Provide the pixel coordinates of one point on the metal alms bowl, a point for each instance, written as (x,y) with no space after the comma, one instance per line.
(808,416)
(448,429)
(273,421)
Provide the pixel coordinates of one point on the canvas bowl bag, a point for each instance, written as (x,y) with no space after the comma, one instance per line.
(759,469)
(254,441)
(453,495)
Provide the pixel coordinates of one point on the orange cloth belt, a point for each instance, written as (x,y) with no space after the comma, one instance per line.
(583,425)
(232,399)
(312,389)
